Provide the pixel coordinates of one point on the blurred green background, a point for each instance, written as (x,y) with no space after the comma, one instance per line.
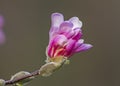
(27,26)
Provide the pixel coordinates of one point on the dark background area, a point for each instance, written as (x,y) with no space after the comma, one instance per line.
(27,24)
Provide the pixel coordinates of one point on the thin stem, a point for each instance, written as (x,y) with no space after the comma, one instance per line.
(35,73)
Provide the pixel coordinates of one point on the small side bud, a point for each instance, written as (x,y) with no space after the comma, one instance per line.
(67,62)
(2,82)
(19,75)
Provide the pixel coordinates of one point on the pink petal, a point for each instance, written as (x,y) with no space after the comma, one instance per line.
(65,27)
(56,19)
(78,34)
(70,46)
(60,39)
(49,48)
(83,47)
(79,43)
(53,31)
(1,22)
(2,37)
(70,34)
(55,42)
(76,22)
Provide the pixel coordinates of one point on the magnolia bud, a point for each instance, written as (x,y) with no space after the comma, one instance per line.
(48,68)
(52,64)
(20,75)
(2,82)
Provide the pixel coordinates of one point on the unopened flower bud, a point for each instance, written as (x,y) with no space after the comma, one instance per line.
(19,75)
(2,82)
(49,68)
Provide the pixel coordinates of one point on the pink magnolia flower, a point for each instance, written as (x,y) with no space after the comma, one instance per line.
(65,37)
(2,35)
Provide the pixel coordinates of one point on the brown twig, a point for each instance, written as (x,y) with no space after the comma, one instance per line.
(35,73)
